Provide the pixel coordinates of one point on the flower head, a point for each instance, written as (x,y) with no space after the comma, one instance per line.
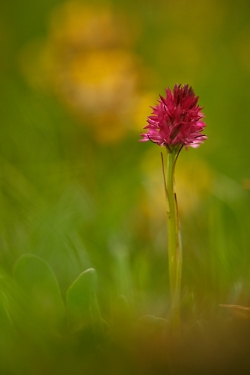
(177,120)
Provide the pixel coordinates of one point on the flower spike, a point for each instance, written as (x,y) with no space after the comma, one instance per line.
(177,120)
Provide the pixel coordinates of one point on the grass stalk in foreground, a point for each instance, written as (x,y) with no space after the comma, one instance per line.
(174,240)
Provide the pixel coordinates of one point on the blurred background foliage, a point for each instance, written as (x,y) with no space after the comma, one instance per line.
(77,188)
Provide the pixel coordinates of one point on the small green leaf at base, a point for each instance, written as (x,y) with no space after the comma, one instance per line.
(82,305)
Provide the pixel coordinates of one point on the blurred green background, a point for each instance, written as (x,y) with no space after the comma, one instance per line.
(78,189)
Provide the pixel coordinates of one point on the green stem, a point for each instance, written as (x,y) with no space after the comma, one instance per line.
(174,241)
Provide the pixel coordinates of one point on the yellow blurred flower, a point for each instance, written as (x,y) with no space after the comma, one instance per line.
(88,63)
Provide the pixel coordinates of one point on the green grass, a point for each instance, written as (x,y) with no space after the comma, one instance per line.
(83,231)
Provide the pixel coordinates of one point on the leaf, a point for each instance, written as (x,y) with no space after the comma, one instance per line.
(44,301)
(82,305)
